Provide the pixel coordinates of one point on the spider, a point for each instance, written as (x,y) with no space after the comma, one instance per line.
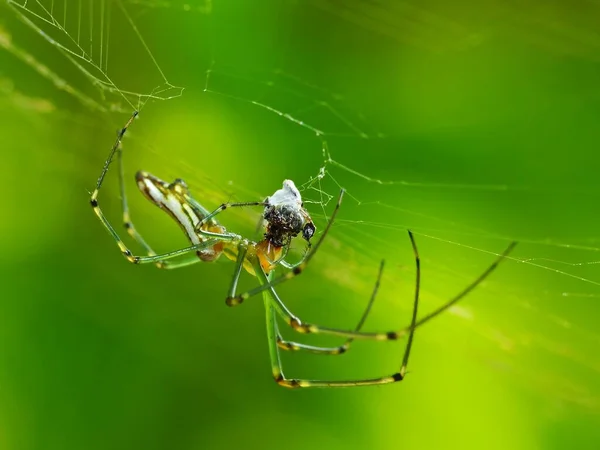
(284,217)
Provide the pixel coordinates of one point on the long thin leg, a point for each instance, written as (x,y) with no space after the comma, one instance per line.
(276,366)
(296,346)
(239,264)
(189,260)
(271,320)
(127,223)
(292,266)
(130,227)
(219,210)
(295,323)
(413,321)
(124,249)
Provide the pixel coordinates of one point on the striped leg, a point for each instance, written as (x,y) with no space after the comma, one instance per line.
(210,218)
(127,223)
(295,323)
(297,346)
(276,366)
(130,227)
(151,258)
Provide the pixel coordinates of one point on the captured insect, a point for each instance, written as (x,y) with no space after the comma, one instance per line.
(284,218)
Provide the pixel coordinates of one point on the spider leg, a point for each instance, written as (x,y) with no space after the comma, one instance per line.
(242,249)
(292,266)
(204,213)
(134,259)
(130,227)
(210,217)
(294,322)
(296,346)
(189,260)
(124,249)
(127,223)
(276,366)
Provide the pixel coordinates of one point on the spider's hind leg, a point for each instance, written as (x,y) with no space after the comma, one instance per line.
(127,222)
(274,342)
(125,251)
(341,349)
(276,365)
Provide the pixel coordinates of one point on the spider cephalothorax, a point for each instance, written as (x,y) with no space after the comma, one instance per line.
(286,217)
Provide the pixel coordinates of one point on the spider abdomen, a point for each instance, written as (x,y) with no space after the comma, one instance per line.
(175,200)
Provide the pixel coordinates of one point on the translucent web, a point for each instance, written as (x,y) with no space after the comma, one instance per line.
(335,128)
(202,7)
(317,101)
(82,33)
(339,144)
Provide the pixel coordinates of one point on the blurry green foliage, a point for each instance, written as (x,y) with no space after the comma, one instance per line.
(490,111)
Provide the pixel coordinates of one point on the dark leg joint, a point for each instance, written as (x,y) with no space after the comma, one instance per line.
(398,377)
(94,203)
(342,349)
(392,336)
(132,259)
(285,345)
(291,384)
(298,326)
(234,301)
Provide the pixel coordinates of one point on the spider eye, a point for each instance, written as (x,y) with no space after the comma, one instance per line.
(308,231)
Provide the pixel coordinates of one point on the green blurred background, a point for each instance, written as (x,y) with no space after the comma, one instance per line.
(483,114)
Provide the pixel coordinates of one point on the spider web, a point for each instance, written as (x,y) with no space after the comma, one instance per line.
(264,117)
(81,32)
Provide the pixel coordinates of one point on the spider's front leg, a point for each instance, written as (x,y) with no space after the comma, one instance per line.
(206,226)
